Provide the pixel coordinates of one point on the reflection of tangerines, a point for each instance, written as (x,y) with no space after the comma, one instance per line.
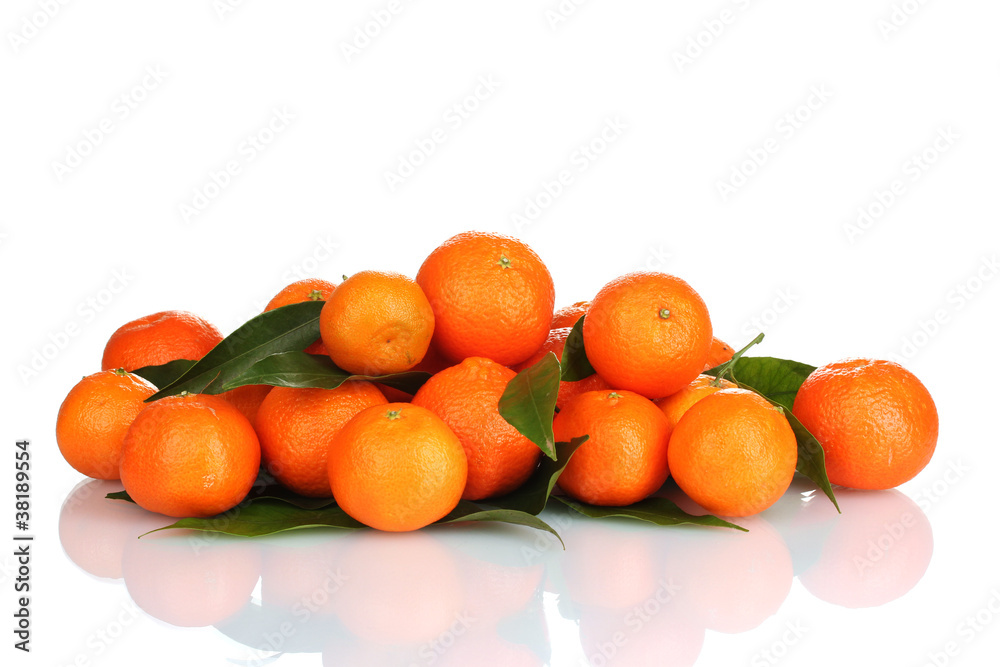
(247,399)
(465,396)
(556,343)
(720,353)
(492,297)
(93,419)
(397,589)
(677,404)
(302,573)
(377,322)
(737,580)
(397,467)
(734,453)
(653,633)
(296,426)
(607,565)
(93,530)
(309,289)
(191,582)
(190,455)
(649,333)
(878,550)
(876,421)
(625,458)
(155,339)
(568,316)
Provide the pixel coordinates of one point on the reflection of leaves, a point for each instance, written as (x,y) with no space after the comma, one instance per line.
(661,511)
(529,402)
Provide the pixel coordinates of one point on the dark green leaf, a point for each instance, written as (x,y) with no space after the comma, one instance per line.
(469,511)
(529,402)
(812,460)
(283,329)
(534,494)
(265,516)
(776,379)
(661,511)
(163,376)
(298,369)
(575,365)
(120,495)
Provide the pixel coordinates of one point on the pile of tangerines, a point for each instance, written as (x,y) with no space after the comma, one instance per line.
(479,312)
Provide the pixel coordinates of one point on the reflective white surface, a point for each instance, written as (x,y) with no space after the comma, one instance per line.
(621,593)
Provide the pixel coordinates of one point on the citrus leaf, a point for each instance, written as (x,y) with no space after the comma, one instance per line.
(529,402)
(726,367)
(284,329)
(575,365)
(164,375)
(265,516)
(469,511)
(812,459)
(298,369)
(278,510)
(534,494)
(776,379)
(661,511)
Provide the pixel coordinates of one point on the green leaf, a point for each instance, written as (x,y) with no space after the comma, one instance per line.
(575,365)
(162,376)
(469,511)
(298,369)
(776,379)
(529,402)
(812,459)
(284,329)
(661,511)
(277,510)
(534,494)
(265,516)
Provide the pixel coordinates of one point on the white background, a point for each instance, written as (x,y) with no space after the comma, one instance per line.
(94,233)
